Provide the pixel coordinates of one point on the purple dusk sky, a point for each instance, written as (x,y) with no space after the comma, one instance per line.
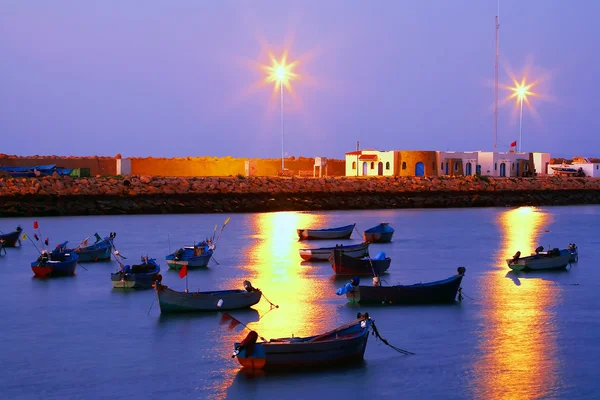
(173,79)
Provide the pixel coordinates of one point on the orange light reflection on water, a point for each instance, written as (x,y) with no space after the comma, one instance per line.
(518,340)
(276,268)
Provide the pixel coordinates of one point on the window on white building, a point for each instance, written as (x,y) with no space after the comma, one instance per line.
(353,164)
(387,165)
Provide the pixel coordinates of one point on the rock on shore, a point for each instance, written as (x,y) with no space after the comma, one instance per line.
(146,195)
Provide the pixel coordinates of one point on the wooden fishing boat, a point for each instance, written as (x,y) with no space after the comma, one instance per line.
(139,276)
(553,259)
(342,232)
(381,233)
(342,345)
(444,291)
(171,301)
(343,264)
(12,238)
(323,253)
(194,257)
(99,251)
(58,262)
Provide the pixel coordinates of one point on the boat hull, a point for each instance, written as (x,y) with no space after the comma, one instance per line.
(171,301)
(343,232)
(434,292)
(344,265)
(539,262)
(322,254)
(381,233)
(133,281)
(192,262)
(289,353)
(54,269)
(95,255)
(11,239)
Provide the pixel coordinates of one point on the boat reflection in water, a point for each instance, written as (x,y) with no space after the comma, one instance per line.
(272,265)
(518,339)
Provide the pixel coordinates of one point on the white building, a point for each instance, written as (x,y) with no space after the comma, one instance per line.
(589,168)
(504,164)
(541,162)
(458,162)
(370,163)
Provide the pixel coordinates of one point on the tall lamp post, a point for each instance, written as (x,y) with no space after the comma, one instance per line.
(520,92)
(281,74)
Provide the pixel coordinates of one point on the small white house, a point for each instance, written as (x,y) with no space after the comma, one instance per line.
(503,164)
(541,162)
(589,168)
(370,163)
(458,162)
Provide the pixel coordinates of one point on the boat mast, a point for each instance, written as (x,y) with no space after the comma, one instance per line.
(496,82)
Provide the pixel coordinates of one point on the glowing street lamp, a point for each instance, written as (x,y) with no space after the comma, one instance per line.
(520,92)
(281,73)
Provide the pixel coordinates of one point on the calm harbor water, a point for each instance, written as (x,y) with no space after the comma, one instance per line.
(523,336)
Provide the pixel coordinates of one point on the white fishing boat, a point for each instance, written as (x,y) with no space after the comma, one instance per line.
(553,259)
(323,253)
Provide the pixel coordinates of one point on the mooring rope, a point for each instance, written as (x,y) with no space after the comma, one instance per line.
(376,334)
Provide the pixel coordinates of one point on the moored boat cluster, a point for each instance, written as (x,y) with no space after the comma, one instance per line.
(342,344)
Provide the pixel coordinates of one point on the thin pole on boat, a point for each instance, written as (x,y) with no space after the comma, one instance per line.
(34,245)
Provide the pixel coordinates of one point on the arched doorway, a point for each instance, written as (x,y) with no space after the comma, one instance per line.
(468,169)
(380,168)
(365,168)
(502,169)
(419,169)
(518,168)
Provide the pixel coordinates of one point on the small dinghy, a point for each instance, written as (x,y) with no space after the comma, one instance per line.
(343,264)
(193,257)
(381,233)
(99,251)
(12,238)
(344,344)
(139,276)
(342,232)
(541,260)
(58,262)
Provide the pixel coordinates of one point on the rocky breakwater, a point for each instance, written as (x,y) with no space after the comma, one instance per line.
(149,195)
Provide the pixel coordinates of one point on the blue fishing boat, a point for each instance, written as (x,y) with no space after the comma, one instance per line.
(194,257)
(99,251)
(35,170)
(343,264)
(58,262)
(12,238)
(341,232)
(342,345)
(444,291)
(381,233)
(139,276)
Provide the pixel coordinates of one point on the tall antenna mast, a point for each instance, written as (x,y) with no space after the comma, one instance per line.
(496,82)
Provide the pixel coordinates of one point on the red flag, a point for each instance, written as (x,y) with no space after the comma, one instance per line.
(183,272)
(513,144)
(46,241)
(35,225)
